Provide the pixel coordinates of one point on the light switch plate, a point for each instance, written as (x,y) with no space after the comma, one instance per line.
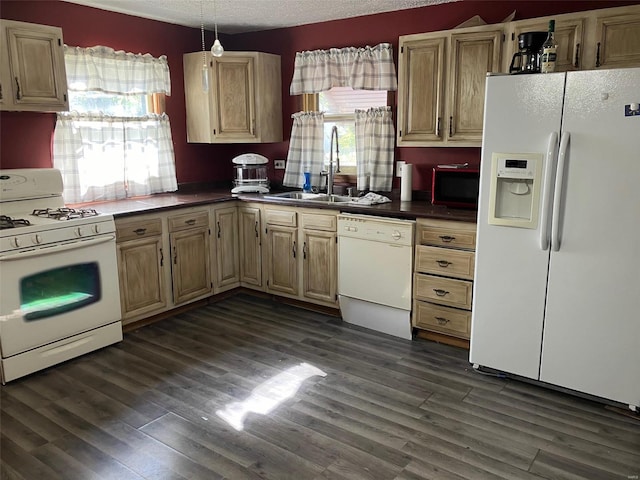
(399,166)
(278,164)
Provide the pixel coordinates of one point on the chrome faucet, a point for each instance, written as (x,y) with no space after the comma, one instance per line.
(330,172)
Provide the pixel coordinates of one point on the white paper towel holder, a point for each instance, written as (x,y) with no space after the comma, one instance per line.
(406,183)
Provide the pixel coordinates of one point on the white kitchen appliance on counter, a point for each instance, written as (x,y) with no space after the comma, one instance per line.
(557,284)
(250,174)
(60,296)
(375,260)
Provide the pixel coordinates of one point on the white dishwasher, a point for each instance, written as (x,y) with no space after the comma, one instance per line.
(375,259)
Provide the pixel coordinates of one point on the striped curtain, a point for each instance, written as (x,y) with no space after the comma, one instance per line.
(306,149)
(106,157)
(374,149)
(367,68)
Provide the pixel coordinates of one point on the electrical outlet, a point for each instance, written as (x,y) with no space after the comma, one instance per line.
(399,166)
(278,164)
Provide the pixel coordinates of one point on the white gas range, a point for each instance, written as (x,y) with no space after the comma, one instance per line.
(60,296)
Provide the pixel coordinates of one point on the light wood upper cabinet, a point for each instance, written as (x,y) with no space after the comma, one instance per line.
(616,43)
(243,103)
(190,256)
(250,246)
(473,55)
(441,86)
(226,248)
(569,34)
(33,76)
(421,97)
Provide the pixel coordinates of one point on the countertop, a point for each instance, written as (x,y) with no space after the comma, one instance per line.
(168,201)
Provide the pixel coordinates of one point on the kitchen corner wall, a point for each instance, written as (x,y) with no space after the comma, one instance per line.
(25,138)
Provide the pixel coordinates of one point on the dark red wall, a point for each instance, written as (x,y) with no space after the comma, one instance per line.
(25,138)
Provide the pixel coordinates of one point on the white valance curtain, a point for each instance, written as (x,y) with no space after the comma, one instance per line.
(366,68)
(105,157)
(374,149)
(106,70)
(306,149)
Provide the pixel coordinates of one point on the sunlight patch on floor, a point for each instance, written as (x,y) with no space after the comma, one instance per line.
(269,394)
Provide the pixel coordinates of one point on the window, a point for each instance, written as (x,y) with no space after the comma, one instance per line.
(116,140)
(339,105)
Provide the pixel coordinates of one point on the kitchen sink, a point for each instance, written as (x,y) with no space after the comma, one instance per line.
(311,197)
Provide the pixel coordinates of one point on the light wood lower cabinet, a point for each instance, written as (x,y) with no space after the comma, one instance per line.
(301,256)
(443,279)
(250,228)
(190,256)
(141,267)
(225,223)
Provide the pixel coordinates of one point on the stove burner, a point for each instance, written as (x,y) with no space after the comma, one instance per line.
(8,222)
(64,213)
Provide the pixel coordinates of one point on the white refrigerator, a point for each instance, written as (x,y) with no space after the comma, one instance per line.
(557,278)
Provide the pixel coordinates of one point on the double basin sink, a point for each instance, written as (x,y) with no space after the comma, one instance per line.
(311,197)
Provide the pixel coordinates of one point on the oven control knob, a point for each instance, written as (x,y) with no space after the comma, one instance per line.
(15,241)
(396,235)
(36,239)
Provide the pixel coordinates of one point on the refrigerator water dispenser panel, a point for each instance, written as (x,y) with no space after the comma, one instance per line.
(515,189)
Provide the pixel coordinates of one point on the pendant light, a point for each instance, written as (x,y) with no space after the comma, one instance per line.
(216,49)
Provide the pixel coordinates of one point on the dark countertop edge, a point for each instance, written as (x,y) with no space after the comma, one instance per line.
(171,201)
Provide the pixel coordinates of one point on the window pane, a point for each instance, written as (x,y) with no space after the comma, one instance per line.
(344,101)
(346,143)
(347,100)
(108,103)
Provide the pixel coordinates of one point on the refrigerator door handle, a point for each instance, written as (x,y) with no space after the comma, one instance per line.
(552,156)
(557,196)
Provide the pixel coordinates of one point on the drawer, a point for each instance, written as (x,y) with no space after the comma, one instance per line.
(447,320)
(286,218)
(130,230)
(445,291)
(445,233)
(445,261)
(318,221)
(188,220)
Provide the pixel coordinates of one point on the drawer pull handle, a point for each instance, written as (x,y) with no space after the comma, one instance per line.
(443,263)
(442,320)
(440,292)
(447,238)
(140,231)
(191,221)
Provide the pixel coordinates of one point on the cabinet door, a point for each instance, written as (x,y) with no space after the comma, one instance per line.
(250,258)
(319,267)
(472,55)
(234,99)
(227,258)
(617,39)
(37,74)
(568,33)
(282,263)
(142,289)
(190,267)
(420,91)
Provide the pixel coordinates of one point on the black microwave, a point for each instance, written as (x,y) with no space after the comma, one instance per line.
(455,186)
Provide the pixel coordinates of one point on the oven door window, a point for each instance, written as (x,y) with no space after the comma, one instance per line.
(60,290)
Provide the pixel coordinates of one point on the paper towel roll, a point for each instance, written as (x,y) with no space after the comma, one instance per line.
(405,183)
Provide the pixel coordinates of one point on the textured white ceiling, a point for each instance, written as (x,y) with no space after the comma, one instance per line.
(236,16)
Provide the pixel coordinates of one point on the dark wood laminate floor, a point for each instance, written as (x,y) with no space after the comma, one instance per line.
(386,409)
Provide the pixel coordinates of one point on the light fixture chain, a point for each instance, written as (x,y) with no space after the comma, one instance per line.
(204,54)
